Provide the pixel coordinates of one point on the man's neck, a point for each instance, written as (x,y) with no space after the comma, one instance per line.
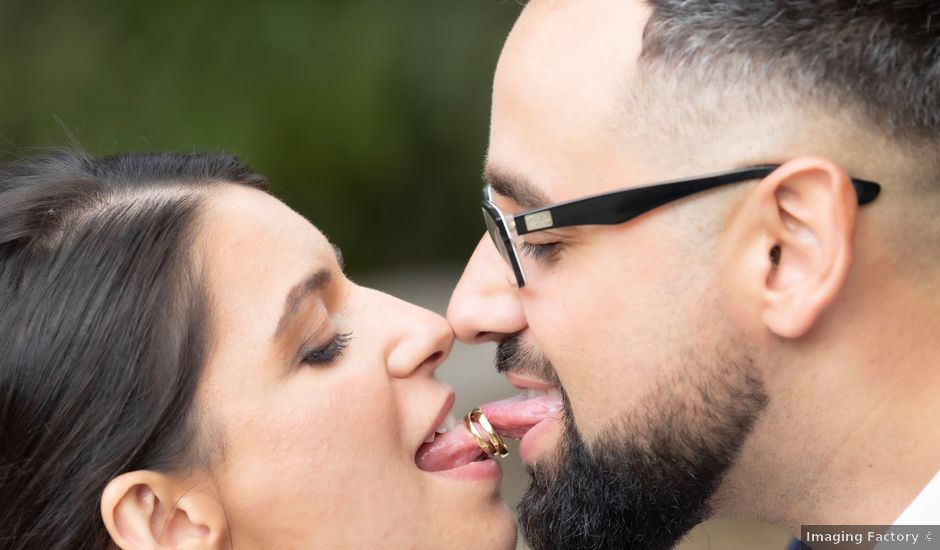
(849,439)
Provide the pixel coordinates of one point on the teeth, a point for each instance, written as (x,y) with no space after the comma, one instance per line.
(431,437)
(449,422)
(555,392)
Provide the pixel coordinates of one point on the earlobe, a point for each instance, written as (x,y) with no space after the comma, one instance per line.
(145,509)
(806,216)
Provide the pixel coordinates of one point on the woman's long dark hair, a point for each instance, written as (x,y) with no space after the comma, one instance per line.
(103,331)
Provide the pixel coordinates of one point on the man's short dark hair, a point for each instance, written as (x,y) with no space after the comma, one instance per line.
(881,59)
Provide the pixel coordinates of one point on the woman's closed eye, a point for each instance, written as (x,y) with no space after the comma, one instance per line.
(325,355)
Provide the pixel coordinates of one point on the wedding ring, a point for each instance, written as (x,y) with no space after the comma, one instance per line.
(492,444)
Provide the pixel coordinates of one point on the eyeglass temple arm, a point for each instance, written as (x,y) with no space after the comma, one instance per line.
(621,206)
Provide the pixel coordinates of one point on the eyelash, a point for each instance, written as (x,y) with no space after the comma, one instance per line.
(539,251)
(328,353)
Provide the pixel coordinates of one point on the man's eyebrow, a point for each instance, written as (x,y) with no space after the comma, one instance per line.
(515,188)
(315,281)
(339,257)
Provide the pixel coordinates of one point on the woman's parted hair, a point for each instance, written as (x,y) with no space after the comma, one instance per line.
(103,331)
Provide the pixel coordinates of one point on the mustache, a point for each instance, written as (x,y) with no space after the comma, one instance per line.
(515,355)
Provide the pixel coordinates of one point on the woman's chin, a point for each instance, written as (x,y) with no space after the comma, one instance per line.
(472,513)
(468,526)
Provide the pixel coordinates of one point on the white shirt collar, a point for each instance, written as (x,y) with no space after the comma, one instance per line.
(925,509)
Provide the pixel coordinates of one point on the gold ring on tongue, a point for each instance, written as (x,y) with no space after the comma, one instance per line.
(492,444)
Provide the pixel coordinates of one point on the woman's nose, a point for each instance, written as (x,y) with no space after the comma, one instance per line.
(423,339)
(485,306)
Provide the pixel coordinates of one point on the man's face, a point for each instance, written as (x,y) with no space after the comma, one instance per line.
(628,320)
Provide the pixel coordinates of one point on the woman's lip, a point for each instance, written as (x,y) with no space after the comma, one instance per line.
(482,470)
(526,383)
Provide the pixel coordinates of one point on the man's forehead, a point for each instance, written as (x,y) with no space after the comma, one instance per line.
(570,32)
(557,118)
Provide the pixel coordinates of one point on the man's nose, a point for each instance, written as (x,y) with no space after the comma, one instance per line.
(485,305)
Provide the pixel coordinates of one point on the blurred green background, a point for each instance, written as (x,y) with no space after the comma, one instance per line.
(368,116)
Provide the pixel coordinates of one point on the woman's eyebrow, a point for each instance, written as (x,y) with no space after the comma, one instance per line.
(314,282)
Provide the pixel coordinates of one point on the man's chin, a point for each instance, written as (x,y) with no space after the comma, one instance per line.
(624,491)
(577,500)
(647,479)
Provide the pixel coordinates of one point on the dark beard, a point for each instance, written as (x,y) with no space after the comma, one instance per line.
(648,480)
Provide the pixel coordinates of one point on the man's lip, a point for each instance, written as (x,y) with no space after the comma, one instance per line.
(528,383)
(438,420)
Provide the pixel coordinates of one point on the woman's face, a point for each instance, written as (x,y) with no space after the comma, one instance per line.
(321,392)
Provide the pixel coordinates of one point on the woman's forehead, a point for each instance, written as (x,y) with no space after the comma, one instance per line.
(247,225)
(257,249)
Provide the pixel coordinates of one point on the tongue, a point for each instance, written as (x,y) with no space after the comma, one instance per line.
(449,450)
(510,418)
(514,417)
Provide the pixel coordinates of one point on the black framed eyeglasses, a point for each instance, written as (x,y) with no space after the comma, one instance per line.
(615,207)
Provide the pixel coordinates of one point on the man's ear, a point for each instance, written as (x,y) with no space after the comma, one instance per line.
(146,509)
(799,243)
